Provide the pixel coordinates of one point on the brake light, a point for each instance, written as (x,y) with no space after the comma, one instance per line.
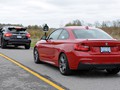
(28,35)
(80,47)
(8,34)
(119,47)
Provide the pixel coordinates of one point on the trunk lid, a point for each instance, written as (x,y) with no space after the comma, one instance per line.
(102,46)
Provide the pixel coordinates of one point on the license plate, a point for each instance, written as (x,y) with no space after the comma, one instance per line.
(105,49)
(19,36)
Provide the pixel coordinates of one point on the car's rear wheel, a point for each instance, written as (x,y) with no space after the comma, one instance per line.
(36,56)
(3,44)
(27,46)
(64,65)
(113,71)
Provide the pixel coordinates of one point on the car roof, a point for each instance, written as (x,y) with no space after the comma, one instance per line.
(79,27)
(13,26)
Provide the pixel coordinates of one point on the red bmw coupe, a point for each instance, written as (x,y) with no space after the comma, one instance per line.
(79,48)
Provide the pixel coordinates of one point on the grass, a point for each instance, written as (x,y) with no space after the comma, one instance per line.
(36,34)
(34,41)
(114,32)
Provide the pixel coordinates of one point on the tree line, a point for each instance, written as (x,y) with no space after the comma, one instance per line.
(115,23)
(111,27)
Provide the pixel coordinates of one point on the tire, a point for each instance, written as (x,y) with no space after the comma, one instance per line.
(112,71)
(16,46)
(27,46)
(64,65)
(3,44)
(36,56)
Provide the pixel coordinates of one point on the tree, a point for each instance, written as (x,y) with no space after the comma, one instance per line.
(74,23)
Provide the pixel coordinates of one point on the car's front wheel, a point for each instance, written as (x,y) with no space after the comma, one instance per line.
(64,65)
(36,56)
(113,71)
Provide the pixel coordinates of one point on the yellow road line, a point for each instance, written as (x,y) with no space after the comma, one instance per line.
(33,73)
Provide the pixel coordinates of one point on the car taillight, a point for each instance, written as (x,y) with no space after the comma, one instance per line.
(28,35)
(80,47)
(119,47)
(8,34)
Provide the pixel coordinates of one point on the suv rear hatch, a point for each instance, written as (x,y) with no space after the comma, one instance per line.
(18,33)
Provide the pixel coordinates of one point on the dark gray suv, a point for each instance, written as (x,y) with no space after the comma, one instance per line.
(14,35)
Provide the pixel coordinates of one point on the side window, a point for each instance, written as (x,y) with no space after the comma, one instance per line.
(55,34)
(64,35)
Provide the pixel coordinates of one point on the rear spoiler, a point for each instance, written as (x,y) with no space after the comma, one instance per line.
(18,28)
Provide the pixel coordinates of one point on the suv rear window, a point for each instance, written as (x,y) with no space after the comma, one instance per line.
(91,34)
(13,30)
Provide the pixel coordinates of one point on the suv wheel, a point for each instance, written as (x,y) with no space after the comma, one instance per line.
(3,44)
(27,46)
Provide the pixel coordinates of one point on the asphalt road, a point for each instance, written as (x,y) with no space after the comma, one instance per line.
(13,77)
(94,80)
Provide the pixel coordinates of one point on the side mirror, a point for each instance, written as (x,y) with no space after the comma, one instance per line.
(44,37)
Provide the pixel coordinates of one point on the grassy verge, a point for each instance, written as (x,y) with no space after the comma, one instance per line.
(34,41)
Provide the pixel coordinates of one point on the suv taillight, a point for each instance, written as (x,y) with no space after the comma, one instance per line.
(8,34)
(28,35)
(80,47)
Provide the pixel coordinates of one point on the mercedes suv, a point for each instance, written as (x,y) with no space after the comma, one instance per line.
(14,35)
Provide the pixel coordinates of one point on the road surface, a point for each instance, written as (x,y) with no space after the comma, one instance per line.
(94,80)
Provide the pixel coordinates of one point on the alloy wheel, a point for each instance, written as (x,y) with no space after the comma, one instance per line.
(36,56)
(64,65)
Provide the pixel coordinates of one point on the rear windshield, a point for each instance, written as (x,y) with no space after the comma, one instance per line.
(91,34)
(17,30)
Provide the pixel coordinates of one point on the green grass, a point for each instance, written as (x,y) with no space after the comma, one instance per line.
(34,41)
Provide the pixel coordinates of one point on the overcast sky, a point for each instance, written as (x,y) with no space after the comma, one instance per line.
(56,13)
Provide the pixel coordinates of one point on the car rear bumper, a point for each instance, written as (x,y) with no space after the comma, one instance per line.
(97,66)
(18,41)
(86,61)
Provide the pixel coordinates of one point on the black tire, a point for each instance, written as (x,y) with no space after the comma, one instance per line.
(3,44)
(64,65)
(36,56)
(27,46)
(112,71)
(16,46)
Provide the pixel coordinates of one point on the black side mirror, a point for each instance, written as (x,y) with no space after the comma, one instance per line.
(44,37)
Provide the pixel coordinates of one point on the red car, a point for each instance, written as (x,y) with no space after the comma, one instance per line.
(79,48)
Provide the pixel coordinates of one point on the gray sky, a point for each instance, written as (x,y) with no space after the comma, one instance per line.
(56,13)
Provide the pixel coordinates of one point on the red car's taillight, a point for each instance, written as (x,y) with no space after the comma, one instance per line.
(8,34)
(28,35)
(80,47)
(119,47)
